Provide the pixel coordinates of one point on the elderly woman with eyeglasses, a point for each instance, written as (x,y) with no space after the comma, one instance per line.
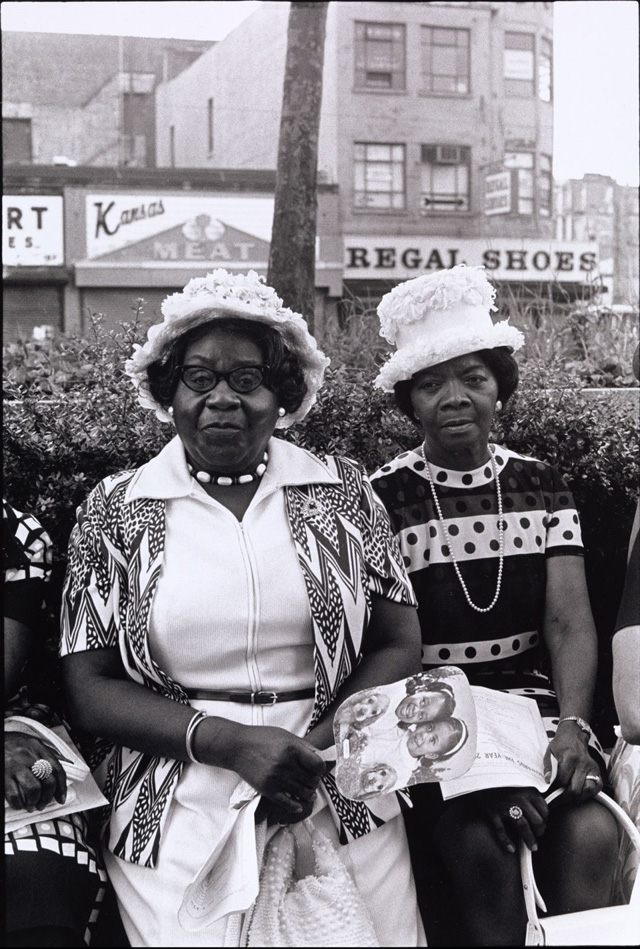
(221,601)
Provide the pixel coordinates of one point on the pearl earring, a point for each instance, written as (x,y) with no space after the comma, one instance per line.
(498,406)
(170,411)
(282,412)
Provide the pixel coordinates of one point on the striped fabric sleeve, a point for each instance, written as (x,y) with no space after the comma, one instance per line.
(27,555)
(564,537)
(92,588)
(385,567)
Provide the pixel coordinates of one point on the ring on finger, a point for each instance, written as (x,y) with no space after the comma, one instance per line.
(593,777)
(515,812)
(41,769)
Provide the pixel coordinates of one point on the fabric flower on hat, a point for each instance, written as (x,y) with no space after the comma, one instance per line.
(221,294)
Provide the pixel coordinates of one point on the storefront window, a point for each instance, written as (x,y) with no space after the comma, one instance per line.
(518,64)
(380,56)
(445,178)
(545,71)
(379,176)
(445,60)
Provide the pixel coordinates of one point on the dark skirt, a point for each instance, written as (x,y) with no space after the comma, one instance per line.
(54,877)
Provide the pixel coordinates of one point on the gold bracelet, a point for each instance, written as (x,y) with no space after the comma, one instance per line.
(188,738)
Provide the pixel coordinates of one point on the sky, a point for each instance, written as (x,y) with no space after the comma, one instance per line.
(595,63)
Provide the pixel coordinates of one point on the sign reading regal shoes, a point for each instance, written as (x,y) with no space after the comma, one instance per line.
(165,230)
(32,230)
(505,258)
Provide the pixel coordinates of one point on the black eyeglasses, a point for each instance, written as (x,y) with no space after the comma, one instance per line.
(242,379)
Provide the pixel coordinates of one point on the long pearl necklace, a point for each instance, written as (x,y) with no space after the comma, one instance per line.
(478,609)
(205,477)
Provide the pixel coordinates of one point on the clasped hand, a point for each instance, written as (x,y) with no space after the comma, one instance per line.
(22,789)
(576,767)
(286,770)
(500,804)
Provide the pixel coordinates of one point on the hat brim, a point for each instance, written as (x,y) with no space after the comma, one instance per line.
(293,331)
(404,364)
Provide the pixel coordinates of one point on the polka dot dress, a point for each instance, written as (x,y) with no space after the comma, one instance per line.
(501,648)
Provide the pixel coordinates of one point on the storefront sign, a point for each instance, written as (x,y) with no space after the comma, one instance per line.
(497,193)
(157,229)
(32,230)
(505,258)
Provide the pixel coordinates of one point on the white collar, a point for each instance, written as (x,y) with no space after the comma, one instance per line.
(167,476)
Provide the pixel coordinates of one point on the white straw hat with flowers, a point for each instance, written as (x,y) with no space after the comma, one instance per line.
(437,317)
(223,294)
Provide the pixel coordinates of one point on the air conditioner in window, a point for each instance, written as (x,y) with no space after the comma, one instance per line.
(448,154)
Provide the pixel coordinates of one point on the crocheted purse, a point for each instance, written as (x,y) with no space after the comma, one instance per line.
(321,909)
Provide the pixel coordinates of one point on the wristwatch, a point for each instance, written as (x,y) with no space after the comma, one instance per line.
(580,722)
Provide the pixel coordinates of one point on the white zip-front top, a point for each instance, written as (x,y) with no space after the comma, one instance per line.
(231,609)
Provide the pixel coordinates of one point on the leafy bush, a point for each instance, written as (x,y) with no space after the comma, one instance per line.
(72,418)
(582,346)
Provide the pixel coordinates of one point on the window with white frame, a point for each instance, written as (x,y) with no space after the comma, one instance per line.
(545,186)
(445,60)
(379,176)
(518,64)
(380,56)
(545,71)
(524,163)
(445,178)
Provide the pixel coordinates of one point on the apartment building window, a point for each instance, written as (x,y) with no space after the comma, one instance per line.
(16,142)
(524,163)
(518,64)
(445,178)
(545,71)
(379,178)
(210,126)
(380,56)
(445,60)
(172,146)
(545,185)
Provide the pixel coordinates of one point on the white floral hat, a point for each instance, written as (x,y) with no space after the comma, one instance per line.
(217,295)
(437,317)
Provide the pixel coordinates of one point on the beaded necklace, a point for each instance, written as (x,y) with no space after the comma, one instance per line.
(478,609)
(205,477)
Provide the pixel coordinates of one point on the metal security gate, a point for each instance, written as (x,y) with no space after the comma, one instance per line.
(25,306)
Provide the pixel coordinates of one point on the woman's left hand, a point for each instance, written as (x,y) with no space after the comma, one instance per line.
(576,767)
(22,789)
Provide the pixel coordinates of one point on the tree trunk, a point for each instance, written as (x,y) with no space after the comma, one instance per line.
(293,241)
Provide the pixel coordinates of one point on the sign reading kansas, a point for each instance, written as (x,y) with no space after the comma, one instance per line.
(171,230)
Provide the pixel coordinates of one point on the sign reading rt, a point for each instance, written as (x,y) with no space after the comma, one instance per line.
(32,230)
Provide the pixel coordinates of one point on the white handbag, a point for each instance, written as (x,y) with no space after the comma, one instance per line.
(321,908)
(607,926)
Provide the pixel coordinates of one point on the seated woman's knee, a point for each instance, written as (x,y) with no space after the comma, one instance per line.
(589,829)
(464,840)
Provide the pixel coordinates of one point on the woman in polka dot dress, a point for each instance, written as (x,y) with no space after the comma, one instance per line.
(491,541)
(54,880)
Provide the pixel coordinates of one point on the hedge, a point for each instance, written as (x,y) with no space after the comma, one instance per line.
(71,418)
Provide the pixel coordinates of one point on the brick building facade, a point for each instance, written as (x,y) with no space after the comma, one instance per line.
(436,126)
(85,100)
